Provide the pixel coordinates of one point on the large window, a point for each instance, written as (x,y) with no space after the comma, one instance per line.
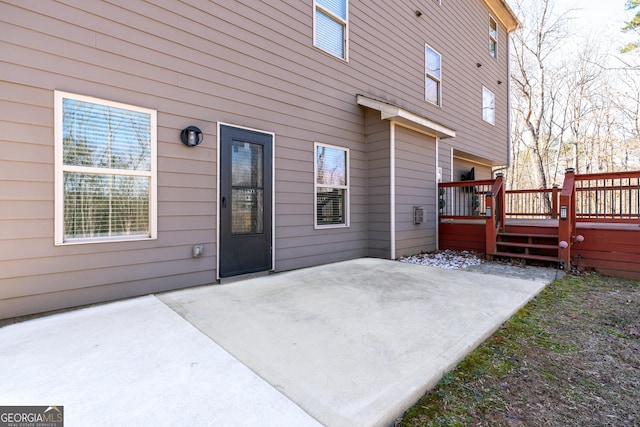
(330,26)
(488,106)
(433,76)
(493,37)
(331,186)
(105,170)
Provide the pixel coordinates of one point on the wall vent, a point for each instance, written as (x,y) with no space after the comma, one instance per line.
(418,214)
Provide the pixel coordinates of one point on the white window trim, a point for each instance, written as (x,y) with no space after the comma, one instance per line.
(344,22)
(431,76)
(484,88)
(60,168)
(493,39)
(347,208)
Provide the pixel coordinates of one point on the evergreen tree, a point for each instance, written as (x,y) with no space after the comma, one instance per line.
(632,25)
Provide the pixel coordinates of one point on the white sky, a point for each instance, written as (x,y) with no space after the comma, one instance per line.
(601,20)
(598,20)
(598,15)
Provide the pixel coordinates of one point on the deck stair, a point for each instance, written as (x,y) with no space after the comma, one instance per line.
(528,246)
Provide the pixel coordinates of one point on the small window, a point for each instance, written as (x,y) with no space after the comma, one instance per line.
(488,106)
(432,76)
(105,170)
(493,38)
(330,26)
(331,186)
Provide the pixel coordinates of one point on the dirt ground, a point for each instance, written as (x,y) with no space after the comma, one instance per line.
(570,358)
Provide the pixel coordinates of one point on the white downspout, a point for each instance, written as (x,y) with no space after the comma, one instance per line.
(509,139)
(438,179)
(451,165)
(392,188)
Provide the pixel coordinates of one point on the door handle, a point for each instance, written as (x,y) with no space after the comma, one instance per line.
(224,202)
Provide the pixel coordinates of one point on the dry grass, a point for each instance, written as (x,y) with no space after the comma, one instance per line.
(571,357)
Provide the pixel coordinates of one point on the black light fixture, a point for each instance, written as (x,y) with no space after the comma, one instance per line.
(564,210)
(191,136)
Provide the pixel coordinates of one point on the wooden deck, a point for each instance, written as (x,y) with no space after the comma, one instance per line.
(591,222)
(609,248)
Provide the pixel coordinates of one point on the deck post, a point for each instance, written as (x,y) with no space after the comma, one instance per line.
(494,215)
(490,233)
(554,202)
(501,208)
(567,218)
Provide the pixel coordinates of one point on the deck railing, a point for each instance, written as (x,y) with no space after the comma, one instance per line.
(603,197)
(534,204)
(463,200)
(608,197)
(467,200)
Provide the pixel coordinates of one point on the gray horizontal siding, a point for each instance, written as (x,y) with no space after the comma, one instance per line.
(77,297)
(415,186)
(377,136)
(200,62)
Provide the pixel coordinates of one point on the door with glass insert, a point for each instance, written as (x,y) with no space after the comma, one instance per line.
(245,201)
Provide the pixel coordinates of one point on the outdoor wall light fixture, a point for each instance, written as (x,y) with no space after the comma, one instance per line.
(488,212)
(191,136)
(563,212)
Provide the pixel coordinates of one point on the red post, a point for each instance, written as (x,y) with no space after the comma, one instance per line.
(501,200)
(490,229)
(494,204)
(567,218)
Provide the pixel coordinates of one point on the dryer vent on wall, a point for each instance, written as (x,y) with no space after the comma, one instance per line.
(418,214)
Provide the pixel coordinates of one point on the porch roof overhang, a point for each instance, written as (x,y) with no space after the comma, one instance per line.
(399,115)
(477,159)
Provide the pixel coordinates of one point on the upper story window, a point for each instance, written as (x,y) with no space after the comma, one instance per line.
(330,26)
(493,37)
(488,106)
(433,76)
(331,186)
(105,170)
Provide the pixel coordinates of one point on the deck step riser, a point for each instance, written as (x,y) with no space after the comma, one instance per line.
(526,256)
(526,235)
(528,246)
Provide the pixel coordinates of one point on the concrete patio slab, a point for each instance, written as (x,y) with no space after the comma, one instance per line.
(358,342)
(134,362)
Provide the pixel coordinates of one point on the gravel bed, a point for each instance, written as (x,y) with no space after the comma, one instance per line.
(447,259)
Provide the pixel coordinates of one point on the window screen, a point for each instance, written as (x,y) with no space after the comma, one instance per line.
(433,62)
(331,185)
(105,169)
(330,26)
(488,106)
